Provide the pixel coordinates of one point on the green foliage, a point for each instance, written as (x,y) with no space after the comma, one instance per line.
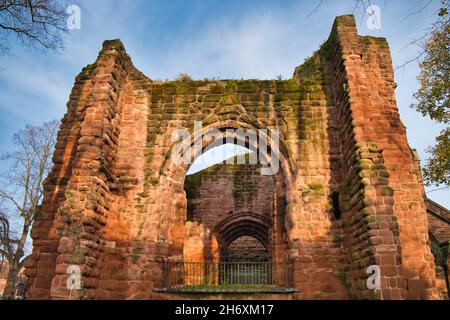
(309,71)
(437,168)
(316,186)
(184,77)
(433,96)
(440,251)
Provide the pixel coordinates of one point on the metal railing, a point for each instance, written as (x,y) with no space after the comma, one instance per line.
(228,276)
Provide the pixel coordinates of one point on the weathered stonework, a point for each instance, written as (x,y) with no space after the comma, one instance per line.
(115,204)
(439,231)
(235,214)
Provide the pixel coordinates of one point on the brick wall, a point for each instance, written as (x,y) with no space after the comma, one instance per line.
(439,221)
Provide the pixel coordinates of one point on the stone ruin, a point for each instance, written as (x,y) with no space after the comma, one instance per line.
(348,194)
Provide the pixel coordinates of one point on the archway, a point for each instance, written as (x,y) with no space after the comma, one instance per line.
(231,217)
(174,175)
(246,248)
(246,241)
(249,236)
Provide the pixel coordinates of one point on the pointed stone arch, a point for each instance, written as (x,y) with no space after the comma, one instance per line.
(243,224)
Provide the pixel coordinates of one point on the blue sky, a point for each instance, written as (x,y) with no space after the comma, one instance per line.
(225,39)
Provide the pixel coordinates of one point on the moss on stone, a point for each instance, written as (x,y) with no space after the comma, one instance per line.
(78,257)
(192,184)
(242,185)
(371,219)
(247,87)
(90,67)
(216,89)
(335,238)
(310,71)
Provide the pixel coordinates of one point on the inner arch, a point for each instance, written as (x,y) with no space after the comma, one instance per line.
(246,248)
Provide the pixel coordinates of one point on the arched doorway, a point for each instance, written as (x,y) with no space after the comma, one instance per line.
(246,244)
(246,248)
(229,207)
(245,237)
(246,261)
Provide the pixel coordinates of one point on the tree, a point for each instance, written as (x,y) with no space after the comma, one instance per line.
(7,241)
(433,96)
(21,189)
(33,22)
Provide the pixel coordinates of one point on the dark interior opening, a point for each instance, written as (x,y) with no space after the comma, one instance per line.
(336,207)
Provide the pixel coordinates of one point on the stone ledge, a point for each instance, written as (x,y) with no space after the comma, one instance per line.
(226,290)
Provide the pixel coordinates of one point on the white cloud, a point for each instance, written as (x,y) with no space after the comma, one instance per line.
(256,41)
(32,93)
(257,46)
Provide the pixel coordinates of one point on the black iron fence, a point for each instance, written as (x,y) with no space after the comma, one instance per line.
(228,276)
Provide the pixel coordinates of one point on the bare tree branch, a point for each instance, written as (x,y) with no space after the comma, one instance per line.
(22,188)
(315,9)
(420,10)
(416,58)
(438,26)
(40,23)
(437,189)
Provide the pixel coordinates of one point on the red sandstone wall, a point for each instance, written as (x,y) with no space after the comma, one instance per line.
(439,221)
(385,188)
(114,202)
